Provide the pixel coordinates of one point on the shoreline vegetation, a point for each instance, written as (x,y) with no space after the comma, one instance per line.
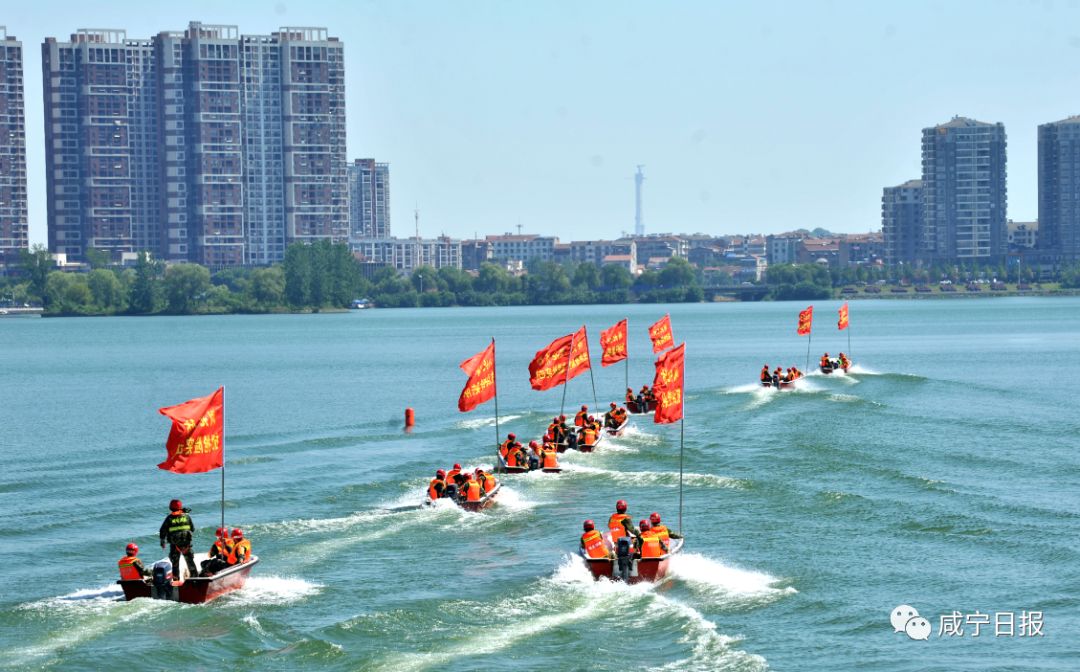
(325,277)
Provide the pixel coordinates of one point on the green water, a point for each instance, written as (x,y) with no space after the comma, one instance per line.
(944,473)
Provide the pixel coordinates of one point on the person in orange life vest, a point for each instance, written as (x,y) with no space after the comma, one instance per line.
(766,377)
(587,435)
(179,530)
(487,481)
(648,544)
(646,393)
(549,458)
(510,444)
(777,376)
(592,542)
(221,554)
(631,398)
(661,530)
(609,417)
(825,361)
(452,473)
(619,524)
(130,565)
(620,415)
(241,546)
(844,361)
(470,489)
(437,486)
(579,419)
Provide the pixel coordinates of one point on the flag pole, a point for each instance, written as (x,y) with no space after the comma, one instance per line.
(223,456)
(809,337)
(566,376)
(848,329)
(682,424)
(592,378)
(495,383)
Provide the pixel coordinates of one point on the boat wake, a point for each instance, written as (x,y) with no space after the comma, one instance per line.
(474,423)
(726,585)
(271,590)
(571,602)
(668,479)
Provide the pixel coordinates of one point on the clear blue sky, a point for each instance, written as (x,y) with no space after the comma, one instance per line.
(749,117)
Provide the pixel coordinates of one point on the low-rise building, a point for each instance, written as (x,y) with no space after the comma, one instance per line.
(1023,235)
(406,254)
(522,247)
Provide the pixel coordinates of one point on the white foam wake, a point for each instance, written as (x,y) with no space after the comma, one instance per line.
(474,423)
(269,590)
(723,583)
(662,478)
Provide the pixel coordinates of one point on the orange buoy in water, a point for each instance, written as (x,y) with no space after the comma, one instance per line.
(410,417)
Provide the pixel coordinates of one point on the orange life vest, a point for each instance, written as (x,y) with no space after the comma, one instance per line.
(487,483)
(472,491)
(630,396)
(593,542)
(650,545)
(589,436)
(662,532)
(241,552)
(765,376)
(615,525)
(824,360)
(506,446)
(223,548)
(128,570)
(451,474)
(551,460)
(580,418)
(620,415)
(432,493)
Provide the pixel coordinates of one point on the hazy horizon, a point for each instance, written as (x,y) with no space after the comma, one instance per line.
(762,118)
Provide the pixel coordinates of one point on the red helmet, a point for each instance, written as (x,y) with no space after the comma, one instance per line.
(588,525)
(534,444)
(457,466)
(584,407)
(467,475)
(440,473)
(555,419)
(478,471)
(222,532)
(237,533)
(654,518)
(562,417)
(133,549)
(511,436)
(620,506)
(643,525)
(613,404)
(176,505)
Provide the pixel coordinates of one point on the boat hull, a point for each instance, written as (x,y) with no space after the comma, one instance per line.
(617,431)
(482,503)
(633,408)
(197,590)
(526,470)
(641,569)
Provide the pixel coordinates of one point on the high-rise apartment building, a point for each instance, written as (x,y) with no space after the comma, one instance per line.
(203,145)
(964,192)
(902,221)
(369,199)
(13,214)
(1059,189)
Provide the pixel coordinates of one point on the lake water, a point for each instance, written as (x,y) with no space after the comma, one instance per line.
(944,474)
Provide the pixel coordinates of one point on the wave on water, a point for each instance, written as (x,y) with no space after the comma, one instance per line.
(271,590)
(570,596)
(724,584)
(661,478)
(473,423)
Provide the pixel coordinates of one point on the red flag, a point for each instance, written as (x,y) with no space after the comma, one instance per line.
(196,441)
(806,319)
(549,367)
(842,324)
(668,385)
(660,333)
(613,343)
(480,387)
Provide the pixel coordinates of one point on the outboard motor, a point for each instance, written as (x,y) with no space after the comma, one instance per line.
(624,555)
(161,587)
(534,462)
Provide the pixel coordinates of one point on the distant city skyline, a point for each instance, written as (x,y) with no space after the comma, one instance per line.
(761,118)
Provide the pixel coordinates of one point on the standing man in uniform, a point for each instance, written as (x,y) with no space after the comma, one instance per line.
(179,531)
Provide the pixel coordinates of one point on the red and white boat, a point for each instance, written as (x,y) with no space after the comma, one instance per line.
(641,569)
(589,447)
(478,505)
(195,590)
(617,431)
(633,408)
